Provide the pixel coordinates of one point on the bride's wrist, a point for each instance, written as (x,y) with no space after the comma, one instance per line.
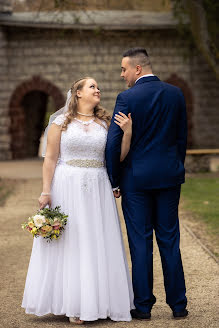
(128,133)
(45,194)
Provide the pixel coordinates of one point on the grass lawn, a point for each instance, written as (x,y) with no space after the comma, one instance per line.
(201,196)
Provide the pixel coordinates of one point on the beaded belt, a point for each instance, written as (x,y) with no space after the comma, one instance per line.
(85,163)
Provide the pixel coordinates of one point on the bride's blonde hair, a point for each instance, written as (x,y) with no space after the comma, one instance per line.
(99,111)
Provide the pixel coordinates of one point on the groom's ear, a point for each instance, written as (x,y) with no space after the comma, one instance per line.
(138,69)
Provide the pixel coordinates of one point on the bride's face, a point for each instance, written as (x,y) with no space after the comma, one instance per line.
(90,92)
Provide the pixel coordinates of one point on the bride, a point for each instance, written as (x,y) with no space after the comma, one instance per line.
(83,275)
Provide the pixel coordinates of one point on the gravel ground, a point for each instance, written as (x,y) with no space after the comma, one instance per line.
(201,273)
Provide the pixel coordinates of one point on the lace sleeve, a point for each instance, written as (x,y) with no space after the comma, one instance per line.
(59,120)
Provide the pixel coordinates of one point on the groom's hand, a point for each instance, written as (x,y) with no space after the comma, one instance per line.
(117,193)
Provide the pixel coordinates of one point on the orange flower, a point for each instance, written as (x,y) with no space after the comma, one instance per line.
(46,228)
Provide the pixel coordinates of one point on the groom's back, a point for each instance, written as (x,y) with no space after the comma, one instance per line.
(155,157)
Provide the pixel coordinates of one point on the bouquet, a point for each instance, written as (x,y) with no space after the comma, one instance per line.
(48,223)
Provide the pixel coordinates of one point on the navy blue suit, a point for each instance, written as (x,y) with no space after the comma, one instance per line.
(150,178)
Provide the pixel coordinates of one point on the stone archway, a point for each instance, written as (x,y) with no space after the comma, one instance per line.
(31,94)
(178,82)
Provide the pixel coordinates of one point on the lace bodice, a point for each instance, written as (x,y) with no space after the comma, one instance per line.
(82,140)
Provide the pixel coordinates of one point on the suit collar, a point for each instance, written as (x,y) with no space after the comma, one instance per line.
(147,79)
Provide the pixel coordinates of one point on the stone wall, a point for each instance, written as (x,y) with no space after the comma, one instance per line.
(5,6)
(5,139)
(147,5)
(60,57)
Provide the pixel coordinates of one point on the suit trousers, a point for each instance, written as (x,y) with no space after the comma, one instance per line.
(145,211)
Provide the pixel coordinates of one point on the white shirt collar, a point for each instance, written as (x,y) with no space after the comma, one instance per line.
(146,75)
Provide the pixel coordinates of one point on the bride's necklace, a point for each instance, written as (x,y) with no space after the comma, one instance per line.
(87,115)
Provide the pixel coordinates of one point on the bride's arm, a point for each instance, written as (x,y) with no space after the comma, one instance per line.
(125,123)
(49,164)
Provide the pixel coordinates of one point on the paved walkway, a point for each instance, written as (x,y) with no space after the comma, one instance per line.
(21,169)
(201,271)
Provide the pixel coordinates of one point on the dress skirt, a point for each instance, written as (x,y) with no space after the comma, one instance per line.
(85,272)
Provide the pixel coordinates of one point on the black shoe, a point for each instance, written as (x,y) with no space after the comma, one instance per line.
(180,315)
(140,315)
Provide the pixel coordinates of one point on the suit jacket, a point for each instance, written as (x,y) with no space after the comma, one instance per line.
(159,137)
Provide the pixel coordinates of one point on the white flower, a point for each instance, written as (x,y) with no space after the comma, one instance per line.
(39,220)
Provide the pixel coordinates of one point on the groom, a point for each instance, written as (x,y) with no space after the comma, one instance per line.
(150,179)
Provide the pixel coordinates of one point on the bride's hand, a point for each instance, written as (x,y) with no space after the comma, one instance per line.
(124,122)
(44,200)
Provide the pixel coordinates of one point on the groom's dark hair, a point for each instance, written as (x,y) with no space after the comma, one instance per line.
(138,55)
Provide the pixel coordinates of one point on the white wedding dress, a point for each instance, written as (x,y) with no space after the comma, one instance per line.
(85,272)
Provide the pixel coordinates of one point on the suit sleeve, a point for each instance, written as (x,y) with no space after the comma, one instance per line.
(113,144)
(182,128)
